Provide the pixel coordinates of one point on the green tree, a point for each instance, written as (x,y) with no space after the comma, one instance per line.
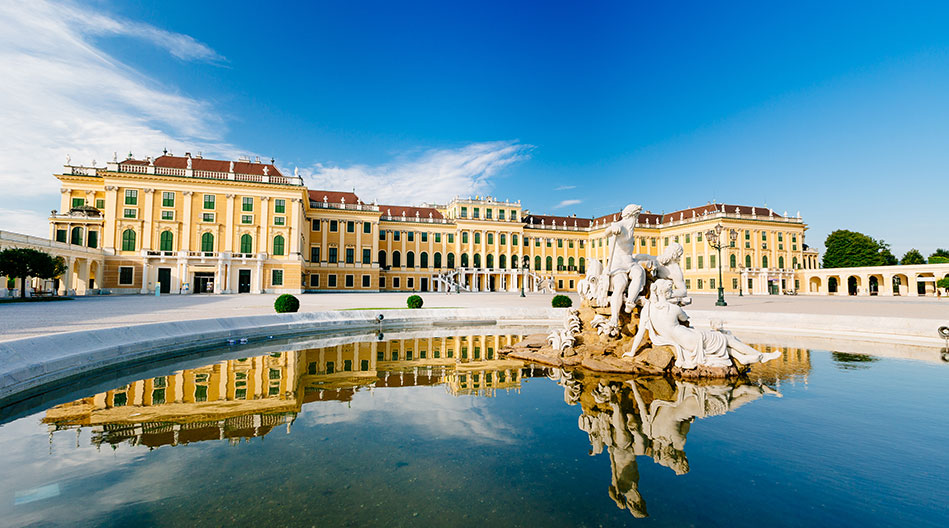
(940,256)
(943,283)
(26,263)
(850,249)
(889,259)
(912,256)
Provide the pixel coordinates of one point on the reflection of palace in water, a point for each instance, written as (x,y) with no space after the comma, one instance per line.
(243,398)
(651,416)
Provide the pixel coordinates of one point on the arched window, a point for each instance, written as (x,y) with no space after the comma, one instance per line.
(559,263)
(382,258)
(502,261)
(410,259)
(583,265)
(514,262)
(780,262)
(477,260)
(166,241)
(537,263)
(247,244)
(278,245)
(570,263)
(423,260)
(764,261)
(747,261)
(733,261)
(128,240)
(550,263)
(794,263)
(477,237)
(207,243)
(438,259)
(396,259)
(489,261)
(451,260)
(464,260)
(76,237)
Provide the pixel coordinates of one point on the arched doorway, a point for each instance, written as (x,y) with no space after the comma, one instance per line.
(873,285)
(814,285)
(832,285)
(853,285)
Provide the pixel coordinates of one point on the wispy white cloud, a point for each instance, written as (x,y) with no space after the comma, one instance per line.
(567,203)
(436,412)
(62,94)
(565,187)
(434,175)
(181,46)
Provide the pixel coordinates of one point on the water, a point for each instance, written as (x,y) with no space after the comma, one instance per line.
(293,438)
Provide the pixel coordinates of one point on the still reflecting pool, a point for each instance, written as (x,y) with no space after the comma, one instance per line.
(443,431)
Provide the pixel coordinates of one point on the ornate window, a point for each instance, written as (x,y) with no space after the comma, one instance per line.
(247,243)
(278,243)
(207,242)
(166,241)
(128,240)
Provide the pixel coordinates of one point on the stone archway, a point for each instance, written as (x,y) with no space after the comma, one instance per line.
(854,285)
(814,285)
(873,284)
(833,285)
(900,284)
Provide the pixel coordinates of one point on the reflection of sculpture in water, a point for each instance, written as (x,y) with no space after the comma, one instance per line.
(648,416)
(666,323)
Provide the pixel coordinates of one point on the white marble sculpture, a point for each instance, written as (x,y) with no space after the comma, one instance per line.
(621,286)
(622,265)
(628,427)
(663,320)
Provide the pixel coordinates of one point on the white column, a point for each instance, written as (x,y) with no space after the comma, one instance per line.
(258,284)
(108,229)
(147,228)
(263,245)
(187,197)
(146,276)
(228,246)
(296,225)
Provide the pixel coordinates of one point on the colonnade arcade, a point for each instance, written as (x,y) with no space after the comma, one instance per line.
(84,266)
(886,281)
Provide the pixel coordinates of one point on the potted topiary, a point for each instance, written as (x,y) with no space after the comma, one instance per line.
(414,301)
(286,303)
(561,301)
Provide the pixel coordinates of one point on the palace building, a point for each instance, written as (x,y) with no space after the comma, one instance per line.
(186,224)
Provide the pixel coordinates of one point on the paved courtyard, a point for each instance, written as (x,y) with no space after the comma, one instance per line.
(19,320)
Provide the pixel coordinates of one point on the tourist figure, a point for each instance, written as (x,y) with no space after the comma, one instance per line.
(666,323)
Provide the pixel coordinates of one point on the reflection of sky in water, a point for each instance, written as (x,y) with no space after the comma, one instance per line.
(844,446)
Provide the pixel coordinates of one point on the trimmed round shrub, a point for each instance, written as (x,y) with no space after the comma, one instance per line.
(414,301)
(286,303)
(561,301)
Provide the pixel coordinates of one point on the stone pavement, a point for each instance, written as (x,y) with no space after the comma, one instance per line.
(19,320)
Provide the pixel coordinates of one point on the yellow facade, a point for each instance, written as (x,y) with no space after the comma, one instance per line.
(191,225)
(241,398)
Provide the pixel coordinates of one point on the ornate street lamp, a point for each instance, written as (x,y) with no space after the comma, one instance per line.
(526,266)
(713,236)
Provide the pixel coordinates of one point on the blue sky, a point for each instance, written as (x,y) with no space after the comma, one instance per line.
(837,111)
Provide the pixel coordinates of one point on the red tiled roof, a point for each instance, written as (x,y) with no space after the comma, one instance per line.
(332,196)
(203,164)
(686,214)
(398,210)
(560,220)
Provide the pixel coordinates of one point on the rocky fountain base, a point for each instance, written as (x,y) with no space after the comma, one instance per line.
(581,343)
